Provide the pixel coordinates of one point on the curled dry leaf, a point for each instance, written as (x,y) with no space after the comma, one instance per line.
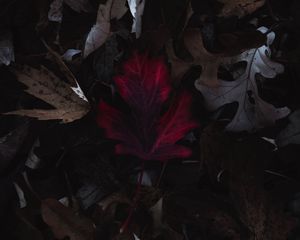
(253,111)
(44,85)
(100,32)
(240,8)
(137,9)
(66,223)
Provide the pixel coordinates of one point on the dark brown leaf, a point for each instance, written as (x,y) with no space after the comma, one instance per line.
(66,223)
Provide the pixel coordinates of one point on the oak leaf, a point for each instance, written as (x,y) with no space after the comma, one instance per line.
(253,111)
(208,61)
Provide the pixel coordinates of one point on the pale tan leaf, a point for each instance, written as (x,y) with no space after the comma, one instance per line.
(65,223)
(44,85)
(101,30)
(240,8)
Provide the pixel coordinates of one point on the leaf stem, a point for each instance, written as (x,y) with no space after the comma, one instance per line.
(135,199)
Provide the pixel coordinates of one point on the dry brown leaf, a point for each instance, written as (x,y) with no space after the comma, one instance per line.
(243,162)
(65,223)
(100,32)
(44,85)
(257,211)
(246,185)
(240,8)
(210,62)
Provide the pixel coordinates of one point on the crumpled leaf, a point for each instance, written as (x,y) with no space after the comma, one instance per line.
(290,134)
(137,9)
(69,54)
(145,86)
(100,32)
(240,8)
(253,112)
(44,85)
(55,13)
(7,54)
(209,62)
(64,222)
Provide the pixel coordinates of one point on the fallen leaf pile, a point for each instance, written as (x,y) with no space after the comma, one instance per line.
(149,119)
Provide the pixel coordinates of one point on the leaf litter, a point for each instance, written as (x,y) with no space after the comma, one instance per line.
(180,120)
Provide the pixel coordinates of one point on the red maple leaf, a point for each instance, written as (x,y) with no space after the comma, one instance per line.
(145,86)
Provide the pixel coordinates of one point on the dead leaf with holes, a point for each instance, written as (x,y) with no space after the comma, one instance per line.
(210,62)
(70,103)
(253,112)
(240,8)
(64,222)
